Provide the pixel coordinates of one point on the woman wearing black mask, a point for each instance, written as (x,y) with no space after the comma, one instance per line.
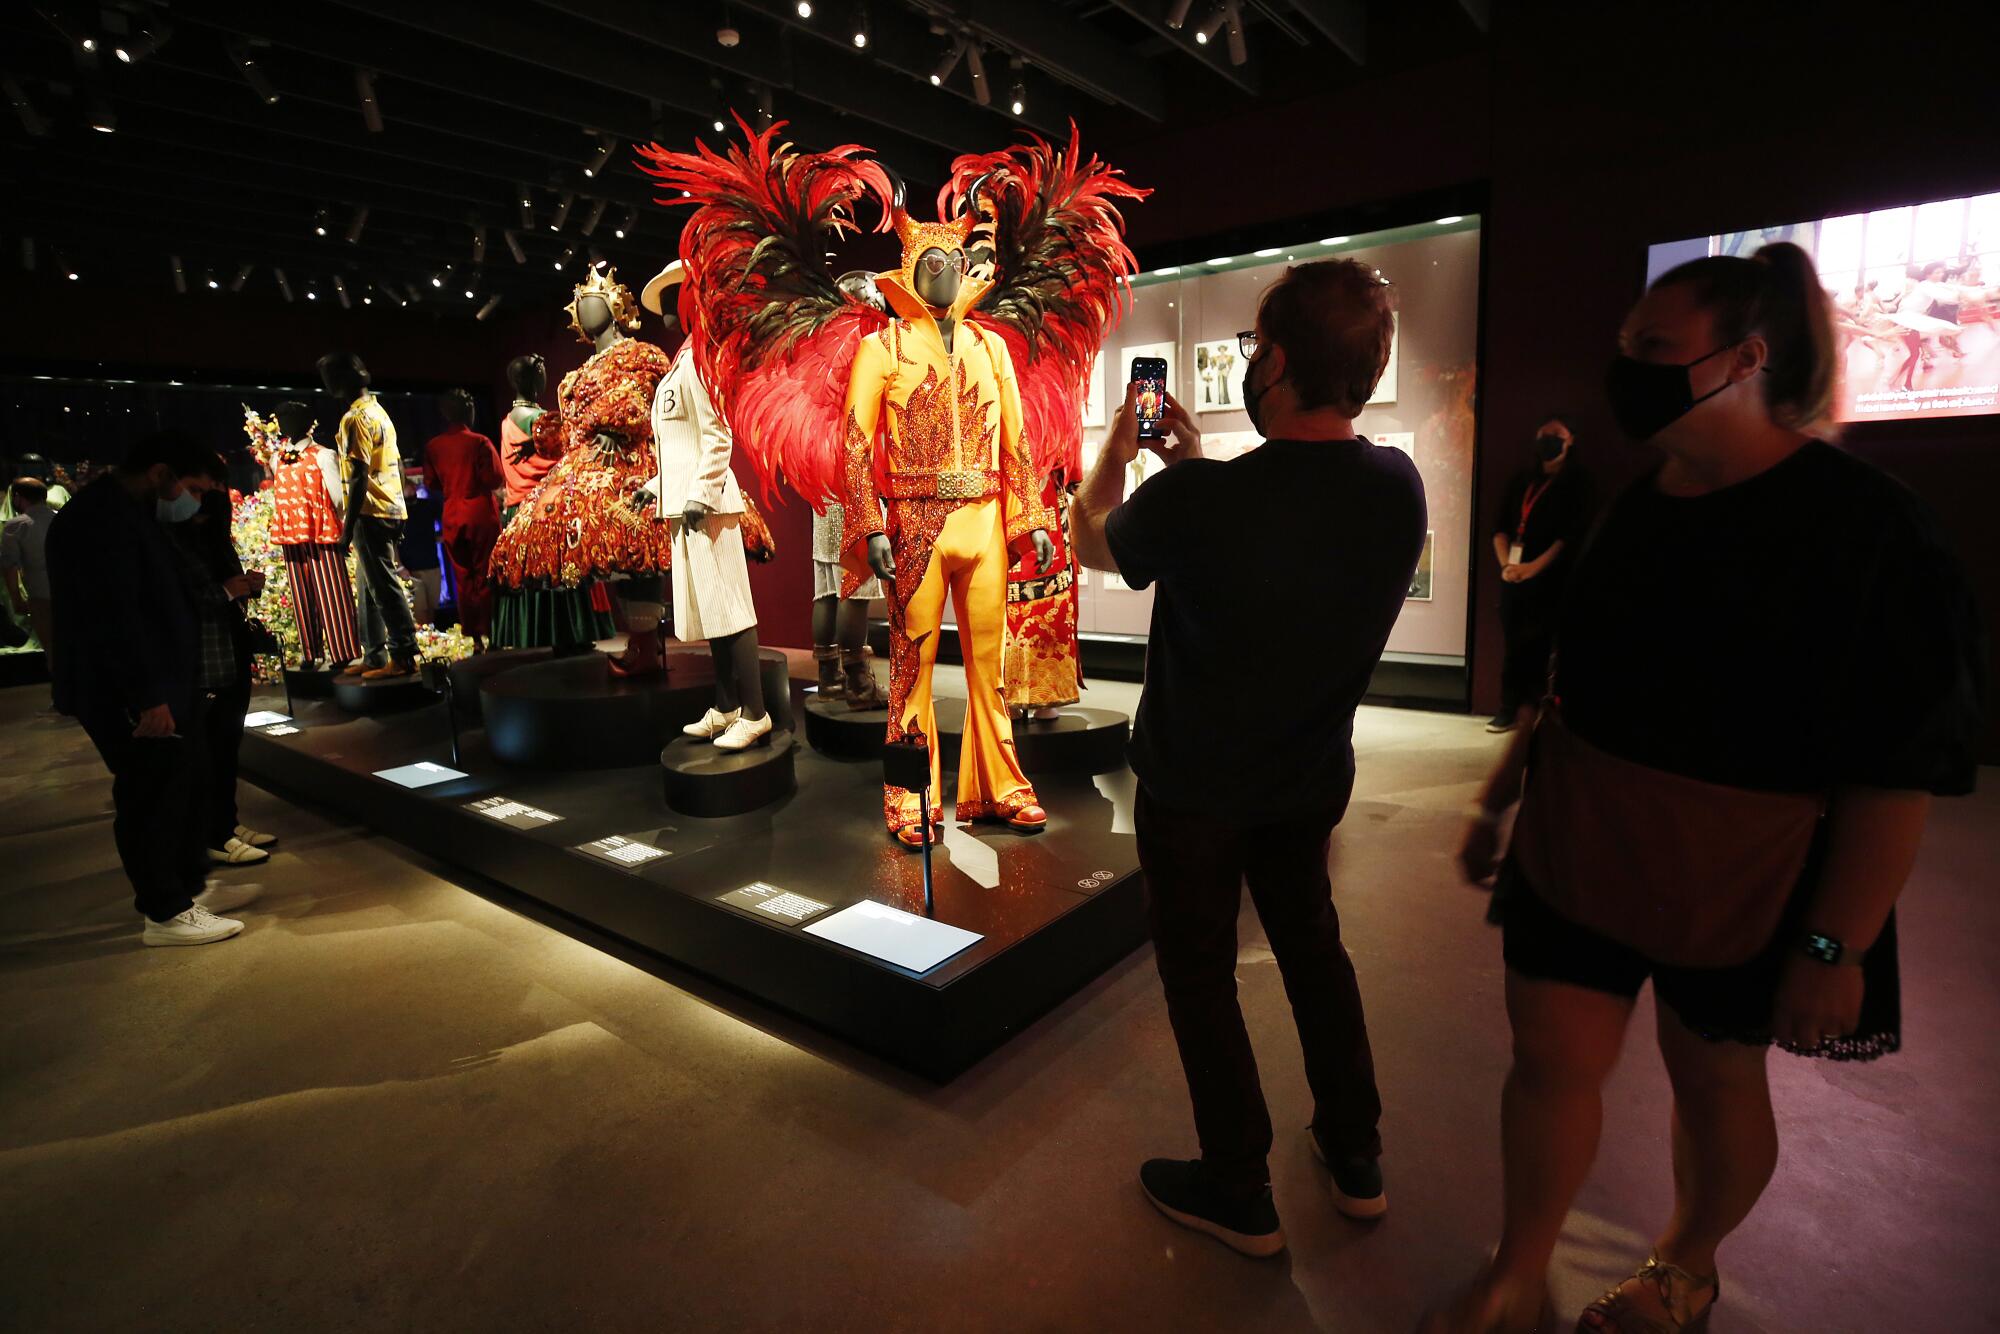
(1766,666)
(1541,520)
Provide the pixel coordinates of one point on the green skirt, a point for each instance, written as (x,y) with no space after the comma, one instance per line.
(562,618)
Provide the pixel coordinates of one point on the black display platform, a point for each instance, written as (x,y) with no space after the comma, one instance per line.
(701,780)
(385,695)
(1081,741)
(309,685)
(572,713)
(470,675)
(834,729)
(1054,911)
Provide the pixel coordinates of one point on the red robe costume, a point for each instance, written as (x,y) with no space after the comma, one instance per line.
(465,473)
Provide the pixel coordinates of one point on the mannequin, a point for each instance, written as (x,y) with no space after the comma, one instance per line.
(1043,665)
(696,494)
(840,624)
(372,521)
(464,470)
(959,495)
(568,620)
(306,526)
(575,526)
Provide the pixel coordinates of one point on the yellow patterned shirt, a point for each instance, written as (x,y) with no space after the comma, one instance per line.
(367,441)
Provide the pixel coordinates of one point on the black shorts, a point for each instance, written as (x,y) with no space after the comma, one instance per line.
(1722,1004)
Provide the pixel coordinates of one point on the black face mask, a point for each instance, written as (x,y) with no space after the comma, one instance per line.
(1649,396)
(1548,448)
(1253,398)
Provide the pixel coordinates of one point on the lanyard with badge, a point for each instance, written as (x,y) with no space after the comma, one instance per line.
(1533,494)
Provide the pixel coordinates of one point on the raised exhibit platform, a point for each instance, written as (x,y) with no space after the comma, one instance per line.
(744,899)
(1080,740)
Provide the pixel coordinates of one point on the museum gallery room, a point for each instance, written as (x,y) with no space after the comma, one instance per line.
(999,665)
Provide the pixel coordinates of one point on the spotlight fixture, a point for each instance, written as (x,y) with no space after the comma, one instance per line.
(478,243)
(1177,14)
(561,215)
(89,45)
(595,216)
(1454,218)
(727,36)
(606,145)
(947,63)
(1239,53)
(312,291)
(765,107)
(319,223)
(149,40)
(253,73)
(471,289)
(527,207)
(861,26)
(568,254)
(805,9)
(356,223)
(437,279)
(283,286)
(102,118)
(719,126)
(32,123)
(180,274)
(242,277)
(1017,98)
(340,291)
(1211,25)
(982,93)
(514,245)
(367,297)
(492,304)
(210,281)
(371,106)
(629,223)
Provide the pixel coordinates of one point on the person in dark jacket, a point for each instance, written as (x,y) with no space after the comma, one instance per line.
(126,666)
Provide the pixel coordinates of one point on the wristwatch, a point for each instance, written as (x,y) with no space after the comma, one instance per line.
(1825,949)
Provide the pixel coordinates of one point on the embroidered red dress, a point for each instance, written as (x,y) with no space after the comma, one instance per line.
(576,524)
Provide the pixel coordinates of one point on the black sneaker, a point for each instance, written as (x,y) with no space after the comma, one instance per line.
(1357,1182)
(1182,1191)
(1502,722)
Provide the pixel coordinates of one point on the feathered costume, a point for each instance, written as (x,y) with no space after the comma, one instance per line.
(876,411)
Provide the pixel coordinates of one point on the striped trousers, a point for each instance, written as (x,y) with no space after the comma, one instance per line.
(323,602)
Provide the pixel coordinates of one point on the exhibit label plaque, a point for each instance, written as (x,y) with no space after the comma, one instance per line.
(264,718)
(890,934)
(421,774)
(512,813)
(621,851)
(774,902)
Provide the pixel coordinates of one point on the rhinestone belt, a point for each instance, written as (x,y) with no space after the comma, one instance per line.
(975,484)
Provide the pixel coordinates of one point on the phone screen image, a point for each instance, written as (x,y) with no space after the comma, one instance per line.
(1150,375)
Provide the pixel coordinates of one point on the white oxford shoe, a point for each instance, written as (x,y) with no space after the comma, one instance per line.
(745,733)
(712,725)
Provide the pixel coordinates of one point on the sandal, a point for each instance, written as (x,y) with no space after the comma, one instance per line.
(1677,1289)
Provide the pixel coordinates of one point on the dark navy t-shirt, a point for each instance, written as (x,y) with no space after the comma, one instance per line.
(1278,575)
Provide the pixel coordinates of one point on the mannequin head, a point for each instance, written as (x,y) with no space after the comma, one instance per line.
(601,303)
(940,273)
(455,405)
(343,374)
(295,419)
(529,375)
(35,465)
(593,315)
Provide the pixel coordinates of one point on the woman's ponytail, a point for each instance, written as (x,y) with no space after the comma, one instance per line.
(1797,322)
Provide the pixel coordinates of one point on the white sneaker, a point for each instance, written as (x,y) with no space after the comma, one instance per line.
(196,926)
(743,734)
(713,724)
(218,897)
(253,838)
(237,853)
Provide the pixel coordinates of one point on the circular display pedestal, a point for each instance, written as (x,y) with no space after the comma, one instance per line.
(832,728)
(572,713)
(470,675)
(702,780)
(303,684)
(386,695)
(1078,741)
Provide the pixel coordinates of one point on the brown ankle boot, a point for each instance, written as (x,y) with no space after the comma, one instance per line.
(861,690)
(827,658)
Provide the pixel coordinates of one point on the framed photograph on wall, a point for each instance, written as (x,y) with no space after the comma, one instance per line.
(1218,376)
(1420,582)
(1093,393)
(1385,388)
(1403,440)
(1123,372)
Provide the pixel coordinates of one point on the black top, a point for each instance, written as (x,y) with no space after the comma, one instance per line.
(126,628)
(419,547)
(1561,513)
(1280,573)
(1805,629)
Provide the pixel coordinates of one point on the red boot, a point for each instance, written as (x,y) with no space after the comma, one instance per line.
(642,656)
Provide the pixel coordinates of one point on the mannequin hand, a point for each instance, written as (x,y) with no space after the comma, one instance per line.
(641,500)
(608,446)
(526,450)
(694,514)
(1045,550)
(1816,1001)
(880,558)
(157,721)
(1479,855)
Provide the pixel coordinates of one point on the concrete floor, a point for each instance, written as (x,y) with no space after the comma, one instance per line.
(402,1100)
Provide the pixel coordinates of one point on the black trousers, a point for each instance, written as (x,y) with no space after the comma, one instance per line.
(159,796)
(1195,872)
(1528,628)
(381,604)
(224,724)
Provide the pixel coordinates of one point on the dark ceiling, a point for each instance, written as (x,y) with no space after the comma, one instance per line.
(421,150)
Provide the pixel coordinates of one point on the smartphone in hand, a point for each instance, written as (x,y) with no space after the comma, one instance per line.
(1150,375)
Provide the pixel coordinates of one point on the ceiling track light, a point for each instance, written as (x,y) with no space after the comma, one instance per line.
(492,304)
(242,277)
(947,62)
(371,106)
(319,222)
(478,243)
(312,290)
(982,91)
(595,216)
(65,268)
(472,287)
(629,223)
(1177,14)
(803,9)
(180,274)
(561,214)
(606,146)
(1212,24)
(1239,52)
(1017,96)
(765,106)
(150,39)
(514,245)
(102,118)
(210,281)
(284,287)
(355,224)
(340,290)
(31,120)
(437,279)
(253,73)
(861,27)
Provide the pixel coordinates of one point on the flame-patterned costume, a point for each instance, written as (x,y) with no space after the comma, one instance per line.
(944,449)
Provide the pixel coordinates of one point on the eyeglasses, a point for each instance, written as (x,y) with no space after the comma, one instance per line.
(1247,342)
(935,264)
